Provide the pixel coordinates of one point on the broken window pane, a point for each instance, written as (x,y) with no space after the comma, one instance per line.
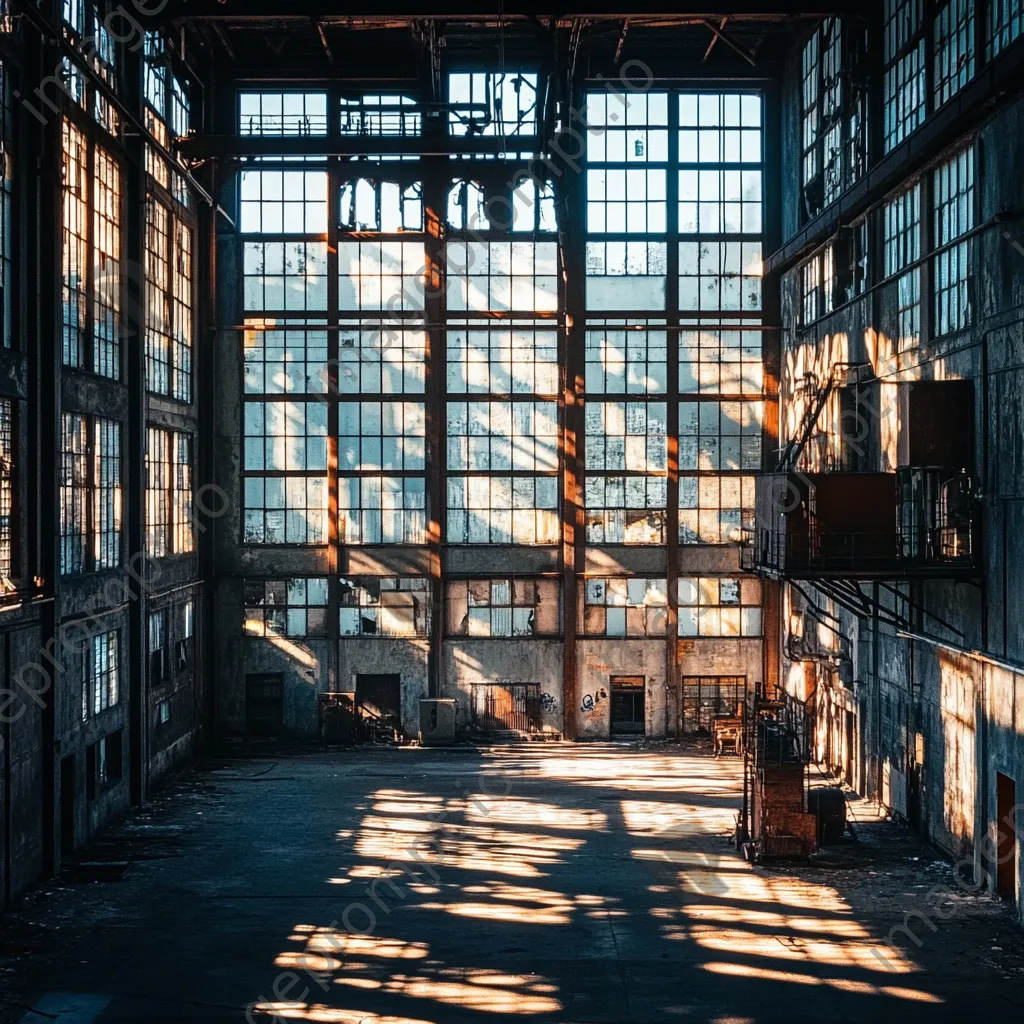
(625,275)
(386,206)
(492,103)
(384,606)
(503,608)
(633,606)
(718,606)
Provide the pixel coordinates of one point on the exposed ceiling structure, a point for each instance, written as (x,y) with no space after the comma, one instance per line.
(314,39)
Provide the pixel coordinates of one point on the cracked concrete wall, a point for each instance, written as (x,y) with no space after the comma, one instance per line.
(469,660)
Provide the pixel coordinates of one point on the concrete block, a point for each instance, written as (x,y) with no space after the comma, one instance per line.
(437,721)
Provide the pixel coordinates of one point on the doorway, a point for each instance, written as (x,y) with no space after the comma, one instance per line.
(1006,825)
(264,705)
(67,804)
(379,702)
(627,706)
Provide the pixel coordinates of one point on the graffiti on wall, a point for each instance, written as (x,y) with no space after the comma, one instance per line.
(547,702)
(591,701)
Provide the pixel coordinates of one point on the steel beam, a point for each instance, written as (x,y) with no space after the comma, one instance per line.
(278,10)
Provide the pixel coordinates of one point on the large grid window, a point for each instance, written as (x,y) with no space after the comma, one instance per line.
(381,436)
(101,686)
(834,111)
(953,196)
(384,606)
(718,606)
(1005,24)
(494,436)
(282,113)
(290,608)
(181,308)
(379,358)
(810,88)
(502,446)
(285,276)
(90,493)
(181,484)
(503,608)
(904,85)
(716,300)
(285,358)
(75,284)
(720,436)
(168,492)
(287,369)
(91,262)
(724,358)
(382,510)
(385,275)
(518,357)
(168,302)
(6,488)
(954,48)
(625,607)
(502,510)
(903,248)
(107,265)
(625,357)
(502,276)
(7,240)
(158,300)
(284,202)
(284,436)
(158,491)
(285,510)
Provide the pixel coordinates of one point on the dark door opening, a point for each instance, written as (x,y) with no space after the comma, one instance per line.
(627,706)
(379,702)
(67,804)
(1006,857)
(264,705)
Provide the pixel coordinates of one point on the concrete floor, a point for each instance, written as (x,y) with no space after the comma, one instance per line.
(534,883)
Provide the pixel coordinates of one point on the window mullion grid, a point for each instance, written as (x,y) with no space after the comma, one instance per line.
(333,395)
(672,338)
(926,234)
(89,341)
